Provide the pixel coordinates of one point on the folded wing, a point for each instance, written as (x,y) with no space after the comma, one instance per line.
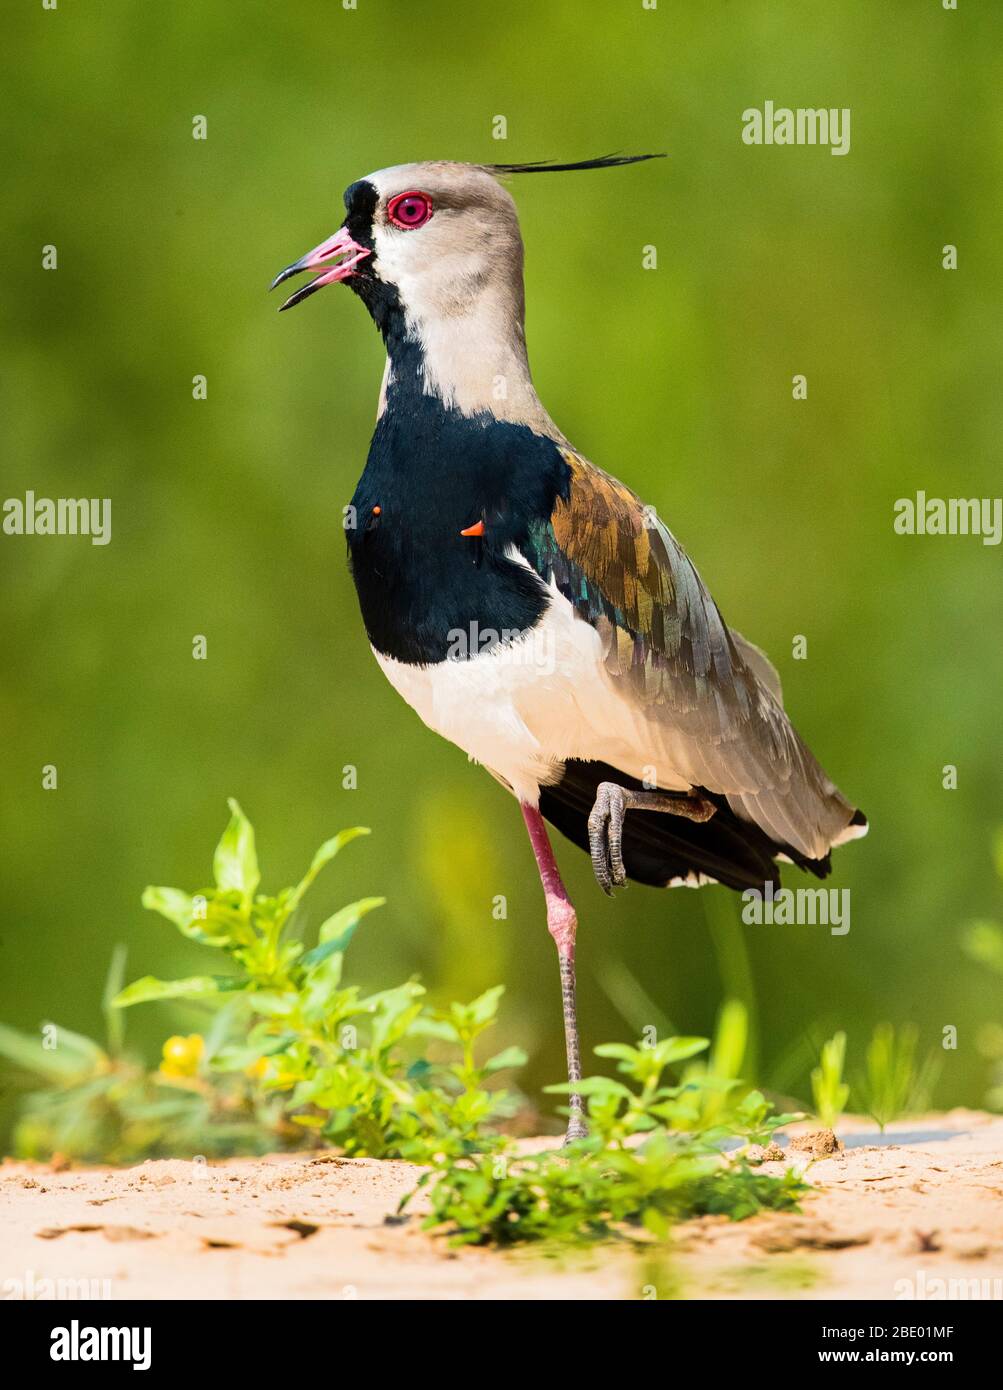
(709,702)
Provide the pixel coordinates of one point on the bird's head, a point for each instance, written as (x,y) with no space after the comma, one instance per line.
(422,239)
(431,247)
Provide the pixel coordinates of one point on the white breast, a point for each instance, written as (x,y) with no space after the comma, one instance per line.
(526,705)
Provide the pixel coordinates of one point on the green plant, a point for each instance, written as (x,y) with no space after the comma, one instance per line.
(723,1066)
(97,1103)
(982,942)
(652,1157)
(892,1083)
(291,1052)
(829,1091)
(346,1065)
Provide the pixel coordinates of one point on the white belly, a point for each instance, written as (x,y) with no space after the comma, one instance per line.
(523,707)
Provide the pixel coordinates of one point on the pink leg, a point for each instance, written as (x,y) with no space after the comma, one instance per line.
(562,923)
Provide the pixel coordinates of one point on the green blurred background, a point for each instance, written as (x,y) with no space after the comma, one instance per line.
(226,512)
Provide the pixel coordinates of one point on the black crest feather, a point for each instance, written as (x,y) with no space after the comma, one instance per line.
(546,166)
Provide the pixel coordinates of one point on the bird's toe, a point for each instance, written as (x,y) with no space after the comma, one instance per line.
(614,836)
(599,845)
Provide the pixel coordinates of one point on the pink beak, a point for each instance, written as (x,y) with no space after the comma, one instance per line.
(341,244)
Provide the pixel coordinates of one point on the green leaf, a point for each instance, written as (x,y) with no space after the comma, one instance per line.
(677,1049)
(272,1004)
(113,1021)
(592,1086)
(654,1221)
(322,980)
(170,903)
(73,1056)
(440,1028)
(237,1058)
(235,863)
(983,941)
(229,984)
(482,1009)
(510,1057)
(323,856)
(83,1049)
(338,930)
(730,1040)
(618,1050)
(394,1010)
(319,954)
(341,927)
(179,908)
(229,1059)
(149,987)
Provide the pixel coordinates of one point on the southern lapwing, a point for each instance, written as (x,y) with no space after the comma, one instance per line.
(528,605)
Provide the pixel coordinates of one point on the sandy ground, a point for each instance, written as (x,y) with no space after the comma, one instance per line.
(922,1204)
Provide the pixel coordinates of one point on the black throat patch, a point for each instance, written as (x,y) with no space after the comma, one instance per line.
(427,592)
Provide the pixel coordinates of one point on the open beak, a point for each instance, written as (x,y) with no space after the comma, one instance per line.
(340,245)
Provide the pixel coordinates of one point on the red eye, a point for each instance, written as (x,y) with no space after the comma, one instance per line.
(409,210)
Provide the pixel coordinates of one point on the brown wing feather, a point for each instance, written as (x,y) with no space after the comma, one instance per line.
(710,701)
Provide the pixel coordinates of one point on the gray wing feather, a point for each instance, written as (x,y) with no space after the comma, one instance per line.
(708,704)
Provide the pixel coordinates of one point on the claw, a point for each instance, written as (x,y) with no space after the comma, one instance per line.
(598,845)
(606,837)
(606,825)
(614,835)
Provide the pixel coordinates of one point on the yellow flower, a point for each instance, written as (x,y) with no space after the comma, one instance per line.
(180,1056)
(258,1070)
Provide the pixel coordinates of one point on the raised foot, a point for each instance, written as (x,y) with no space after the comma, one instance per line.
(606,824)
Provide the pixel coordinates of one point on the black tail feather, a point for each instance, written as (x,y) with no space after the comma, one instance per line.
(658,847)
